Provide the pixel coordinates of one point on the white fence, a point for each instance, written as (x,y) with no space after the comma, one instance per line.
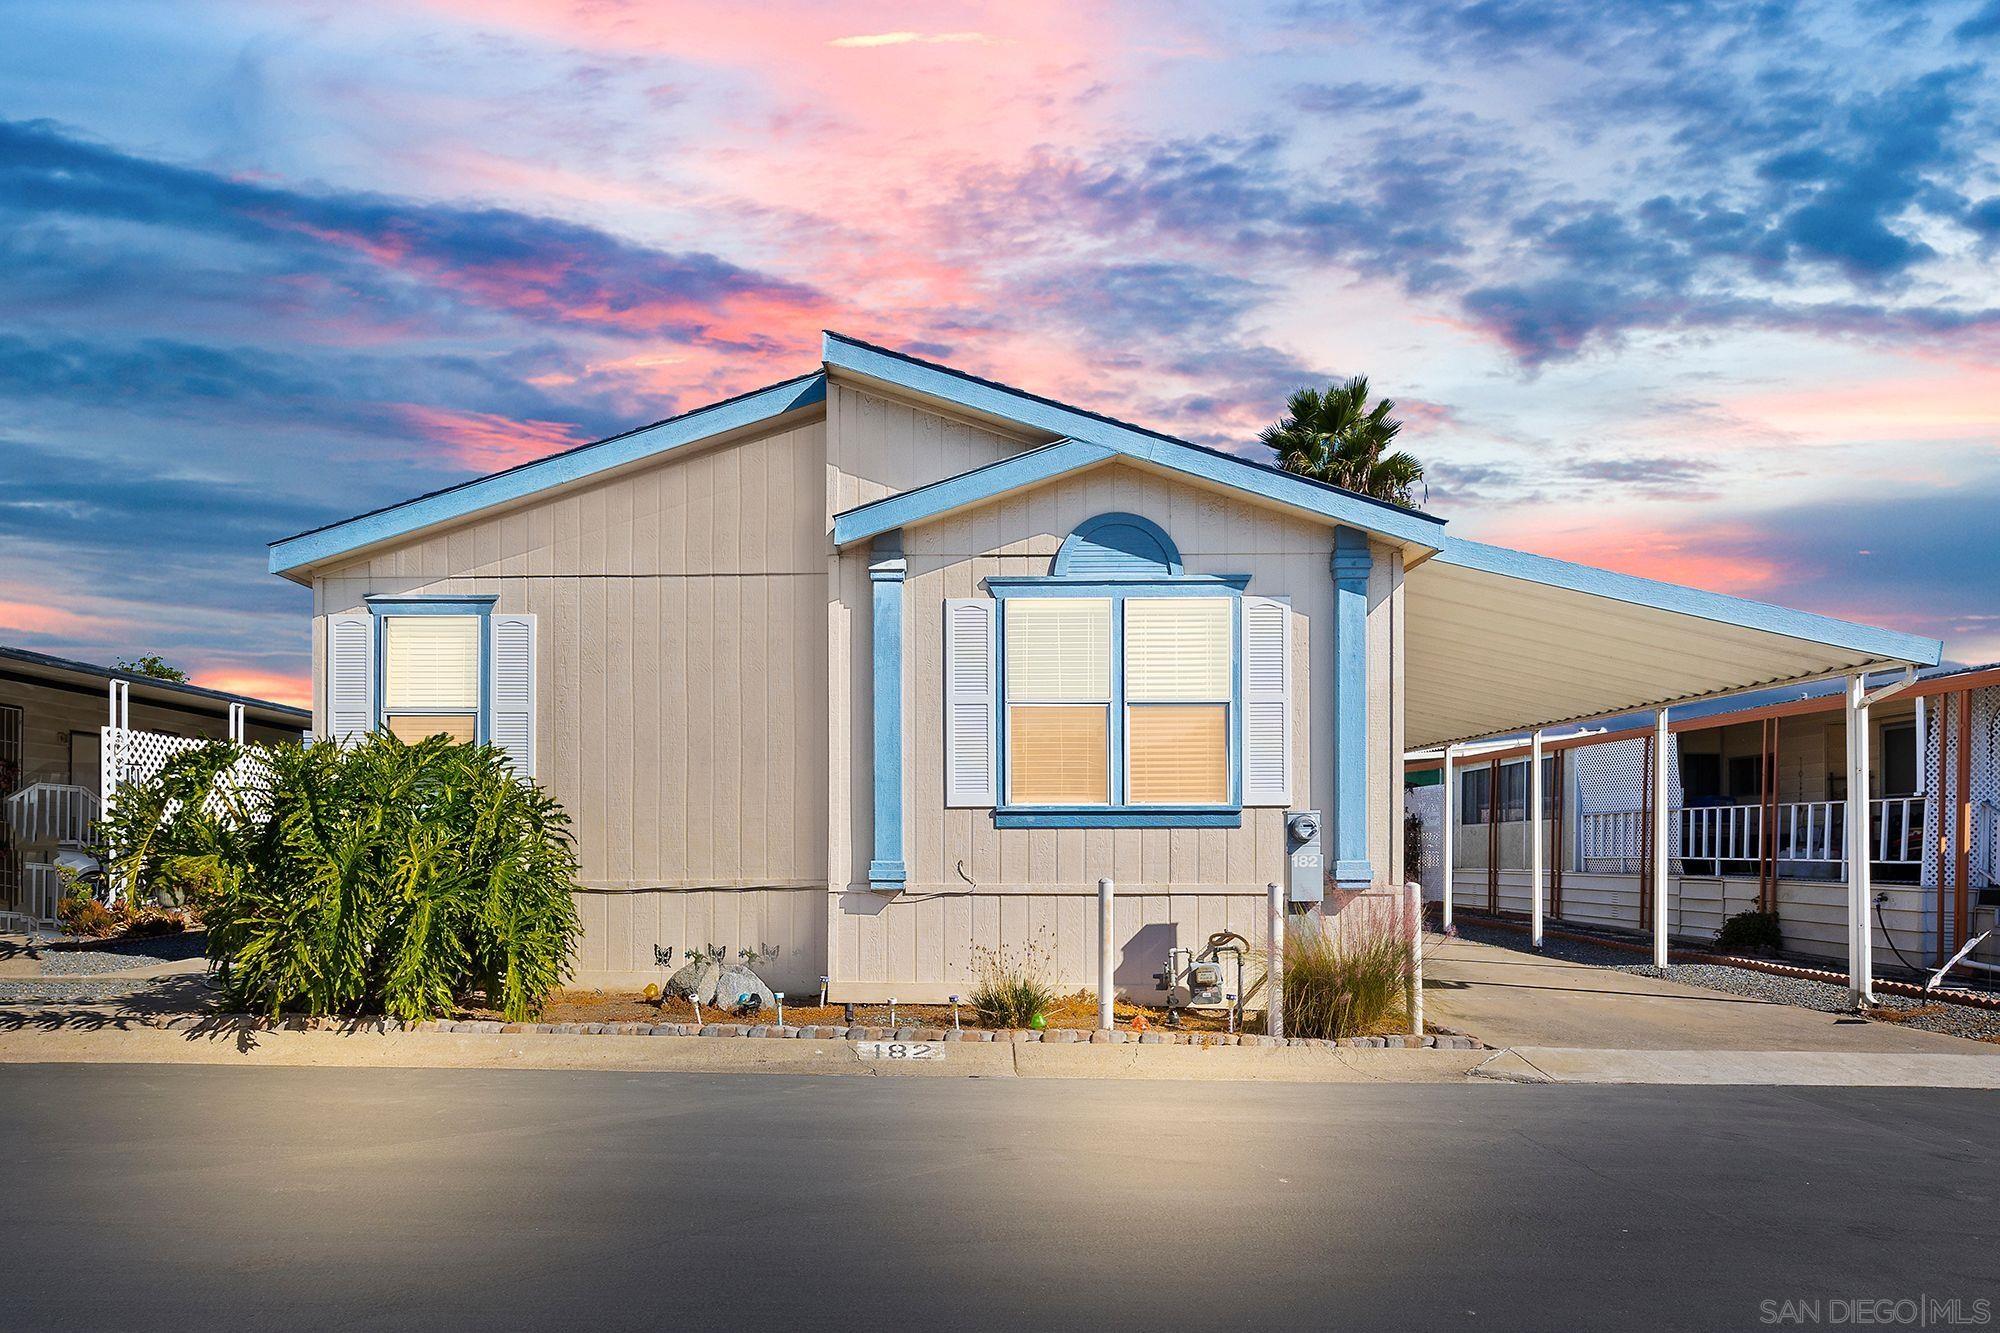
(41,892)
(134,756)
(1807,833)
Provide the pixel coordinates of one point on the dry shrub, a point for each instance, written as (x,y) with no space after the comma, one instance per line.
(1347,978)
(1009,988)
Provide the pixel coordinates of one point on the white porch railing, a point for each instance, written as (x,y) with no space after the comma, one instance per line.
(41,892)
(51,812)
(1806,833)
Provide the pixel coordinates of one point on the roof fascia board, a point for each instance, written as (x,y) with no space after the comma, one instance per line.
(1883,646)
(986,399)
(402,520)
(967,489)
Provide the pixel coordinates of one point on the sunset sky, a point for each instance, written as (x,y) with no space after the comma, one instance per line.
(1701,291)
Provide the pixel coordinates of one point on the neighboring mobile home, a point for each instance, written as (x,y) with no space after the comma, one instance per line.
(1775,762)
(55,718)
(888,663)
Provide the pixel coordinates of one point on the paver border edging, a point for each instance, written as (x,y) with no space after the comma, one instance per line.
(746,1031)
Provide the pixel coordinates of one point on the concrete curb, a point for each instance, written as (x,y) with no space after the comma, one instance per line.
(1797,1069)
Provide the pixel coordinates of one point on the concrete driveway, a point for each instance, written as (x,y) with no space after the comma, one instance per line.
(1512,998)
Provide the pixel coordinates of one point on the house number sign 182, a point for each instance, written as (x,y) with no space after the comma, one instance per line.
(899,1050)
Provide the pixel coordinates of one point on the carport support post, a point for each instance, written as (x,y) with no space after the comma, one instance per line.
(1106,894)
(1860,874)
(1535,839)
(1450,826)
(1661,826)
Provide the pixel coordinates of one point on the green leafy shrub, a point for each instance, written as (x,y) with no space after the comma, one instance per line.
(372,877)
(1751,932)
(1345,979)
(1010,989)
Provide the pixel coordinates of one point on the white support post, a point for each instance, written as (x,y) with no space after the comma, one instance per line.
(1414,896)
(1274,969)
(1535,834)
(1860,879)
(237,726)
(1662,824)
(1448,850)
(1106,896)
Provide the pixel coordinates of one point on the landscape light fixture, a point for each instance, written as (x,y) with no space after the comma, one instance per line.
(954,1013)
(779,996)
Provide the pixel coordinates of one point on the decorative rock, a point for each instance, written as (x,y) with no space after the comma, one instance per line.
(1028,1035)
(710,1030)
(1154,1039)
(930,1034)
(1104,1037)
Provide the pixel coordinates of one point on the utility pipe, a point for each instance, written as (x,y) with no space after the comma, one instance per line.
(1106,1019)
(1415,895)
(1274,967)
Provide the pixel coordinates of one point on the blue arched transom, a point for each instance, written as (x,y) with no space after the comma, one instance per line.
(1117,546)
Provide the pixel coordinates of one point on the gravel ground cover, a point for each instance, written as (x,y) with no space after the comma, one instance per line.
(123,955)
(1954,1020)
(67,990)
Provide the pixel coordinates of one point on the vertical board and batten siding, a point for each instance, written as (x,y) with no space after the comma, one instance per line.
(972,886)
(680,638)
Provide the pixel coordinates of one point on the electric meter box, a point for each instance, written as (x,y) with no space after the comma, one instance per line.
(1305,857)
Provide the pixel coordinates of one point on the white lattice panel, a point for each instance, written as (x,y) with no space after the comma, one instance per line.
(1941,742)
(1611,781)
(1427,804)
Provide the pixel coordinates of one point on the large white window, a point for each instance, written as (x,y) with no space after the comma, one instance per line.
(430,676)
(1120,700)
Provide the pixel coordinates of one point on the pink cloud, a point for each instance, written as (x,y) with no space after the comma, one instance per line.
(278,687)
(21,617)
(485,441)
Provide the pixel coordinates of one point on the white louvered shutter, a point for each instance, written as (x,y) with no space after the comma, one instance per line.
(1267,702)
(350,675)
(513,722)
(970,702)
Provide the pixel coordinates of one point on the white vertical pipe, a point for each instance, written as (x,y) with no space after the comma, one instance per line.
(1860,874)
(1274,968)
(1447,851)
(1661,827)
(1106,1019)
(1414,893)
(1535,832)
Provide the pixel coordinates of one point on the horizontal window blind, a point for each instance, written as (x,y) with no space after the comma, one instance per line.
(1058,649)
(413,727)
(430,664)
(1179,753)
(1177,648)
(1057,754)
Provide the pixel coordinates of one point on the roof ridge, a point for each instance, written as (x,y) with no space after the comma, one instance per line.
(1122,424)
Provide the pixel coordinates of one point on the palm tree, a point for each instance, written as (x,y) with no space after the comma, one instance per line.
(1334,436)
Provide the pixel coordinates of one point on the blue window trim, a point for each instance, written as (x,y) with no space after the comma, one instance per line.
(382,606)
(1118,813)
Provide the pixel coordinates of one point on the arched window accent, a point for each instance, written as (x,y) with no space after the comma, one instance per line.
(1117,546)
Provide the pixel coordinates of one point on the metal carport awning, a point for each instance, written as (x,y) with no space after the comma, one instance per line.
(1499,641)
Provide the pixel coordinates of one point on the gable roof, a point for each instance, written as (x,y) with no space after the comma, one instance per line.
(390,522)
(1088,438)
(28,664)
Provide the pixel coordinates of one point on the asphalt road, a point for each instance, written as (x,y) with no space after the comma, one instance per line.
(193,1197)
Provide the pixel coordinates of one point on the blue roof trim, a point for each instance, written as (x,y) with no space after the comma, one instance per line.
(1879,644)
(998,400)
(337,539)
(967,488)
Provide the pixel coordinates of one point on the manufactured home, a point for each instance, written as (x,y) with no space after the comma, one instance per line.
(888,664)
(68,730)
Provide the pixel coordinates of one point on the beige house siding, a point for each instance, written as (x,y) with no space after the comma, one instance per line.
(974,886)
(681,634)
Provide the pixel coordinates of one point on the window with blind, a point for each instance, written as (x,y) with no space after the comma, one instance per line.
(1119,701)
(430,676)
